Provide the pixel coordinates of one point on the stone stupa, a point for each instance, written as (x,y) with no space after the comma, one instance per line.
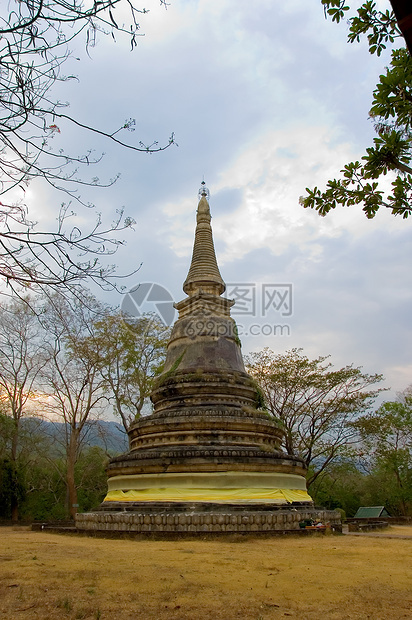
(208,458)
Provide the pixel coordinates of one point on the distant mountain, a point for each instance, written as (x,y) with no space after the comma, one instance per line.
(110,436)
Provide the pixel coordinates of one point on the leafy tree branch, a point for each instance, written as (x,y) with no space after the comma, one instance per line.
(391,113)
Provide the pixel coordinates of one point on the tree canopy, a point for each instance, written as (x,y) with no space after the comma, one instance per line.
(391,114)
(22,359)
(315,403)
(63,362)
(387,440)
(130,355)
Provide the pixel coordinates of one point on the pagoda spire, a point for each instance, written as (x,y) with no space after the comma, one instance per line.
(204,275)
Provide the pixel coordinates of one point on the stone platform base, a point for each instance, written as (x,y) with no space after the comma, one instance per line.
(216,519)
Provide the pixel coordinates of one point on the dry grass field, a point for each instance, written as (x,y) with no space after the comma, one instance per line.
(50,576)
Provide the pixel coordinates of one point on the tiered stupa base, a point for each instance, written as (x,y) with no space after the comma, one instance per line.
(161,518)
(223,473)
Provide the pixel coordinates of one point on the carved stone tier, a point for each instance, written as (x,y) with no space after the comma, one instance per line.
(234,391)
(229,431)
(203,459)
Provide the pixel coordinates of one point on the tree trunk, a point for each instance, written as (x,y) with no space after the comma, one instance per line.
(72,450)
(404,506)
(14,500)
(14,509)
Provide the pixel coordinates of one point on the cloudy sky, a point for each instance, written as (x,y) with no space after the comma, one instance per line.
(265,99)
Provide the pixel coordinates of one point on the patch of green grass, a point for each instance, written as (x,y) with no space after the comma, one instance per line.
(65,604)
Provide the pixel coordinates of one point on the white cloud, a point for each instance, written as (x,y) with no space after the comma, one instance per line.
(270,175)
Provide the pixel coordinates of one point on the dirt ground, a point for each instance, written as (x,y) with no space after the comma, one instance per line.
(50,576)
(394,530)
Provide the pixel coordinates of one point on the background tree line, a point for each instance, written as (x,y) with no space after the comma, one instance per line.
(67,364)
(356,455)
